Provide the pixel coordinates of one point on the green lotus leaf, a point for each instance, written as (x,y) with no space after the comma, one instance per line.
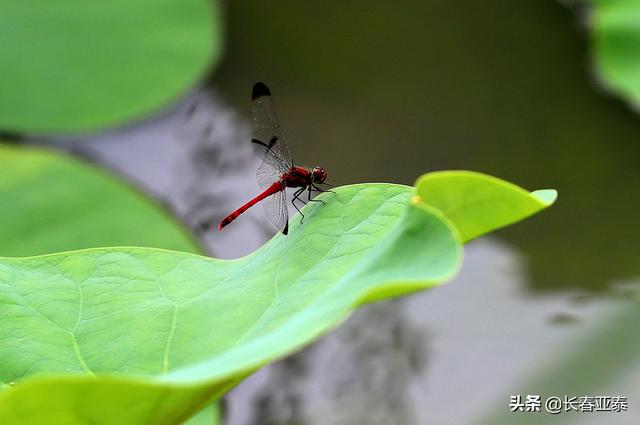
(616,44)
(51,202)
(477,203)
(70,66)
(140,335)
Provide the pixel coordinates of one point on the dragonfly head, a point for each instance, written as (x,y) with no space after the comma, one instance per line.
(318,175)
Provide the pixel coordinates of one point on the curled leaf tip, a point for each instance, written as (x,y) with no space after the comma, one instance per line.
(477,203)
(548,196)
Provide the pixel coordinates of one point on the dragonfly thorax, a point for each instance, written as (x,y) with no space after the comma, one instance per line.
(296,177)
(299,177)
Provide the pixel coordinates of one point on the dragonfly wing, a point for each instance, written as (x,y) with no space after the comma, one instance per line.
(272,148)
(275,207)
(267,174)
(268,142)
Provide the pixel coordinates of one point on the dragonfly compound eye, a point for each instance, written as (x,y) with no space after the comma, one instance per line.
(319,175)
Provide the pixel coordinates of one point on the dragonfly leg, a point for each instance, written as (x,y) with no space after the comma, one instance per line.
(296,197)
(319,189)
(313,200)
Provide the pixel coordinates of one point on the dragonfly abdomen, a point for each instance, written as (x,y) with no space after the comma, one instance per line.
(274,188)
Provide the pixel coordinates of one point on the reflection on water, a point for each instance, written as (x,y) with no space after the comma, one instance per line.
(364,370)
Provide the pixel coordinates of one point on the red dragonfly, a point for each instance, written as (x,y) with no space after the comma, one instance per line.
(277,172)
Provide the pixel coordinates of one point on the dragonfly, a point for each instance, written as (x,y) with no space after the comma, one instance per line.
(277,171)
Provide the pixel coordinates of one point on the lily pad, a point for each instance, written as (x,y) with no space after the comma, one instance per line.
(52,203)
(70,66)
(139,335)
(477,203)
(616,43)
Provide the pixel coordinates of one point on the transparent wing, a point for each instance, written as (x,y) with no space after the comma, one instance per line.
(268,142)
(275,207)
(271,147)
(267,175)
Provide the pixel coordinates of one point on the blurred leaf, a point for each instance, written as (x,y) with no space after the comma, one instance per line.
(51,203)
(70,66)
(616,38)
(477,203)
(135,335)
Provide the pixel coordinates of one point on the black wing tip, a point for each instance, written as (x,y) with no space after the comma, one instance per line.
(285,231)
(259,90)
